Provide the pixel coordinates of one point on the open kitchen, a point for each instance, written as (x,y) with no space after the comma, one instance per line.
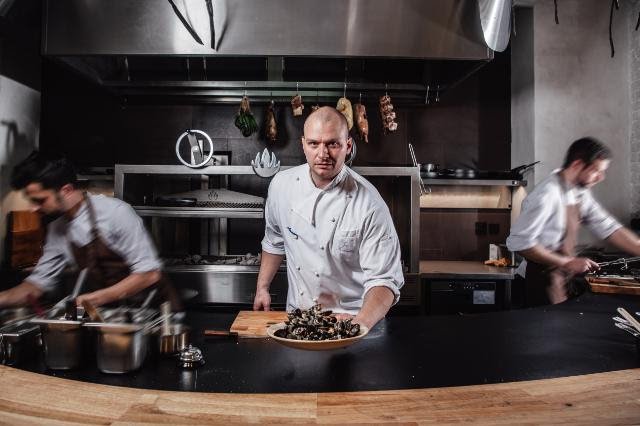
(322,212)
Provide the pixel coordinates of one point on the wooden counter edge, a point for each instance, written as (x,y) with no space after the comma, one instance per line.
(600,398)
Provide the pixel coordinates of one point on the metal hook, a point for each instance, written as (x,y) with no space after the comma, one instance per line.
(360,98)
(297,88)
(438,93)
(386,92)
(344,92)
(426,97)
(245,88)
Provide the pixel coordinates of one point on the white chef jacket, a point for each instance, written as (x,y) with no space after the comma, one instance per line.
(120,227)
(543,219)
(338,241)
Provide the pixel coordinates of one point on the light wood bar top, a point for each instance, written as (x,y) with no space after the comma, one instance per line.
(603,398)
(463,270)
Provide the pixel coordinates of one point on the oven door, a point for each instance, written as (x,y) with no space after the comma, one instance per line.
(464,296)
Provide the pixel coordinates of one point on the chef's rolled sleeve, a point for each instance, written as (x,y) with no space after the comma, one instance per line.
(134,243)
(273,242)
(52,262)
(380,254)
(597,219)
(526,231)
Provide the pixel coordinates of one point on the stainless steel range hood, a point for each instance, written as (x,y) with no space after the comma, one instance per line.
(445,29)
(140,47)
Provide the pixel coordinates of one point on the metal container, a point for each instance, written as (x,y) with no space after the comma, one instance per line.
(120,348)
(62,342)
(174,342)
(18,342)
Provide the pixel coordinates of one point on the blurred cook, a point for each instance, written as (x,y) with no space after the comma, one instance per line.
(546,231)
(333,227)
(90,231)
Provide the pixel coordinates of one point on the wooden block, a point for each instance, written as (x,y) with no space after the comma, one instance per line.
(253,324)
(614,286)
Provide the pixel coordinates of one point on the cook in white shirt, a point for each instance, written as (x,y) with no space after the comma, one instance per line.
(336,231)
(545,232)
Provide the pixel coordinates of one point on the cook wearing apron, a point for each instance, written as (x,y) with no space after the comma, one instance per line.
(550,218)
(108,237)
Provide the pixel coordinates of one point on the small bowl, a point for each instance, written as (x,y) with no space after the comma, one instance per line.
(315,345)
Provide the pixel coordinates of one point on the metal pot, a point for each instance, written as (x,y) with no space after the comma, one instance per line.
(175,341)
(62,342)
(120,348)
(18,342)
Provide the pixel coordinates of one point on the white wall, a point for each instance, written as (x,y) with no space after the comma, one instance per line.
(578,90)
(19,133)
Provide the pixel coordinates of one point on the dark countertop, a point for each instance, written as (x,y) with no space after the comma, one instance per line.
(457,269)
(573,338)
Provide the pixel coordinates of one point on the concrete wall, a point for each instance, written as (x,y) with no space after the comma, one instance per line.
(578,90)
(634,158)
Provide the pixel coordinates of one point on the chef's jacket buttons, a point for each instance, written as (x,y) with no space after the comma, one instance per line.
(297,179)
(317,274)
(321,247)
(333,219)
(302,293)
(298,268)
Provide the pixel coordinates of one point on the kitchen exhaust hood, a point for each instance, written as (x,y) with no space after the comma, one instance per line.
(217,49)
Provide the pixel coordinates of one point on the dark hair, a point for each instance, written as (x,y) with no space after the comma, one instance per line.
(588,150)
(49,171)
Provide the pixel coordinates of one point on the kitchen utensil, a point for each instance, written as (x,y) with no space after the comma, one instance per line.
(165,310)
(315,345)
(628,329)
(92,311)
(626,315)
(423,189)
(253,324)
(429,167)
(624,261)
(190,357)
(185,23)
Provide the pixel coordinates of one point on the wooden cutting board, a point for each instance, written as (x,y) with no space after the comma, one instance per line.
(614,286)
(253,324)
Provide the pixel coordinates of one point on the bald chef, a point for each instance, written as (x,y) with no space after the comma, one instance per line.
(334,228)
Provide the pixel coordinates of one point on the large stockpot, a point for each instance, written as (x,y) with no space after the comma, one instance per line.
(120,348)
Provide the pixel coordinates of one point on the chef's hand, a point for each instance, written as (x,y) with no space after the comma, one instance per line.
(262,300)
(580,265)
(96,298)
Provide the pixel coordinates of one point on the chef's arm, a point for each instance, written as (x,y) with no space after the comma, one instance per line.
(625,240)
(19,294)
(544,256)
(269,264)
(132,284)
(377,303)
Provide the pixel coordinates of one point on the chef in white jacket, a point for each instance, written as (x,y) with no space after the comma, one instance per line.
(335,230)
(546,231)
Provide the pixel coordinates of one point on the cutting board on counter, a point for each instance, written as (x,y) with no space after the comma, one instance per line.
(614,285)
(253,324)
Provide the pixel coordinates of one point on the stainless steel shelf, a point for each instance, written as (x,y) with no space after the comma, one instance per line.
(475,182)
(199,212)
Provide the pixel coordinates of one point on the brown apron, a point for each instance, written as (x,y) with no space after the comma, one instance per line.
(545,285)
(107,268)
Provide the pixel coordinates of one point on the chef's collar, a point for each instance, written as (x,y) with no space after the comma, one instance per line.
(338,179)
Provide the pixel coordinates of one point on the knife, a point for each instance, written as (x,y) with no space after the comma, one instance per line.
(193,33)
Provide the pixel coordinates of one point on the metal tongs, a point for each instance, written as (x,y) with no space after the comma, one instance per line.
(423,190)
(624,261)
(68,303)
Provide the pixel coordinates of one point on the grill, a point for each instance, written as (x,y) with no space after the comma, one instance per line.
(219,199)
(228,205)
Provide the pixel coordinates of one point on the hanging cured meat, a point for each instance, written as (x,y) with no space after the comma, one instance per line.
(387,114)
(296,105)
(362,122)
(271,129)
(344,106)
